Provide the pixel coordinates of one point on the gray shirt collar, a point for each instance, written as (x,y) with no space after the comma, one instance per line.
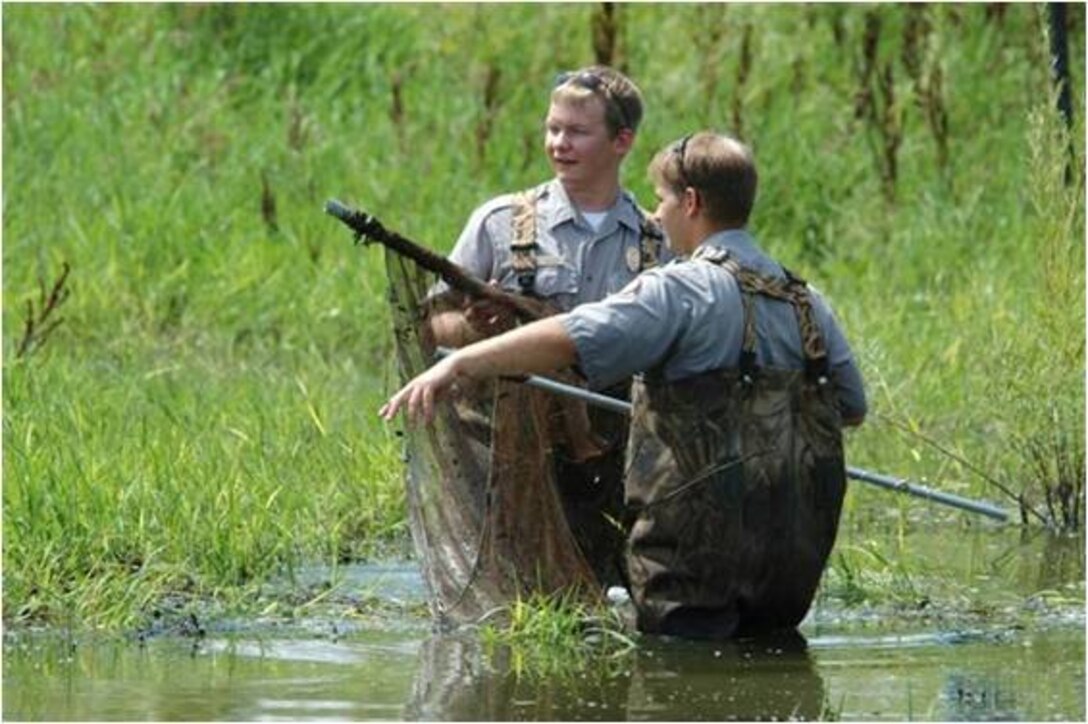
(742,246)
(555,208)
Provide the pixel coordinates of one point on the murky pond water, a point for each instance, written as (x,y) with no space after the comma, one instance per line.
(1011,647)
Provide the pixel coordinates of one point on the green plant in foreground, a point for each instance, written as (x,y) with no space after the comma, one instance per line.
(833,712)
(557,635)
(860,574)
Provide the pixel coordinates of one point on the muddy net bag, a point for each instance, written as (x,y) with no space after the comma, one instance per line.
(487,519)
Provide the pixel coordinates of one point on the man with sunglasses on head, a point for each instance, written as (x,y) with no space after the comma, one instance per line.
(573,239)
(734,464)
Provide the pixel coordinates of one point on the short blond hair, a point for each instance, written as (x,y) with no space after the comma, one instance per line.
(719,167)
(621,97)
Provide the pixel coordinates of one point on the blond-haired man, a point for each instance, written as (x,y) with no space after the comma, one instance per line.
(573,239)
(577,237)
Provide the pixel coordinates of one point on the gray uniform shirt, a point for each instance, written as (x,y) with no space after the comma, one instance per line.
(686,318)
(575,264)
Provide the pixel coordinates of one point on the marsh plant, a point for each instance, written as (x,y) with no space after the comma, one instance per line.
(204,417)
(863,574)
(1046,416)
(558,635)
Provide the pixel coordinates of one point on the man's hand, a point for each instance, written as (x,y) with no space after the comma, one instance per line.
(540,346)
(420,394)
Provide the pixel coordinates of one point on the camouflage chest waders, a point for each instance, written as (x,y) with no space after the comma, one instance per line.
(737,478)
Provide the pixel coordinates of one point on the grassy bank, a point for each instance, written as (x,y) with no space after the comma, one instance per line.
(204,417)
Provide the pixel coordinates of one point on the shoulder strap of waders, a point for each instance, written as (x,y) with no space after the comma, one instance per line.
(649,239)
(792,289)
(813,344)
(723,259)
(523,246)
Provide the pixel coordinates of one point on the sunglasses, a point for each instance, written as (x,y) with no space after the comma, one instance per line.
(596,84)
(680,148)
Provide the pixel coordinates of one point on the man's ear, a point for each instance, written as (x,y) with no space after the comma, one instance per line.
(623,141)
(691,202)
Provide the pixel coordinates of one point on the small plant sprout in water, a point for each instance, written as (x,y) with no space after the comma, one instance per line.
(556,635)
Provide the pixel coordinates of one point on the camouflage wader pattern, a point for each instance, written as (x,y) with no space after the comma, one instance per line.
(737,479)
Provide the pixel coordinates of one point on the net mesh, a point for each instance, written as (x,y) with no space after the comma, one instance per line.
(486,519)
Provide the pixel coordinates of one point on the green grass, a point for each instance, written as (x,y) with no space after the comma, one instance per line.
(553,636)
(204,417)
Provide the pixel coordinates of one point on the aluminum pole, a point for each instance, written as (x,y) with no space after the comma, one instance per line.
(884,481)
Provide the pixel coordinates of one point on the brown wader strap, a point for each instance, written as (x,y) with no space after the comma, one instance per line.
(817,364)
(649,238)
(792,289)
(523,244)
(747,364)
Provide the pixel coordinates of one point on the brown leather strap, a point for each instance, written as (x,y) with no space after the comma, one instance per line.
(792,289)
(523,244)
(649,238)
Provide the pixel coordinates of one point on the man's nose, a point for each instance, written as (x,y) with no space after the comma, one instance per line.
(560,139)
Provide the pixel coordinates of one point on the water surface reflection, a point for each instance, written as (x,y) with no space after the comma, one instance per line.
(984,624)
(664,680)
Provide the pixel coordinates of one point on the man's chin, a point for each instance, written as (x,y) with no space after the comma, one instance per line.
(565,172)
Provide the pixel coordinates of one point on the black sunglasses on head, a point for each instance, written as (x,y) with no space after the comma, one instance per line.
(681,149)
(595,83)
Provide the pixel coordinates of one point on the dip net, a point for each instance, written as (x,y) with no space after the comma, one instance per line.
(487,520)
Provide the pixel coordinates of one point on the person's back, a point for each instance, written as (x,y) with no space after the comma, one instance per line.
(704,329)
(735,465)
(736,472)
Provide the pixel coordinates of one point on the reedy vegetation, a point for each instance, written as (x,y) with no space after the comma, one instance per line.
(556,636)
(204,417)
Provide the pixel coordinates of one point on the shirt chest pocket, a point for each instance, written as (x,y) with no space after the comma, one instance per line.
(619,279)
(554,278)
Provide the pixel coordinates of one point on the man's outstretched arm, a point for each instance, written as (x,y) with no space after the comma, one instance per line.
(542,346)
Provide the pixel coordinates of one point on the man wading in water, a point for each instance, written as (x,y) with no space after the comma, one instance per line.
(735,465)
(571,240)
